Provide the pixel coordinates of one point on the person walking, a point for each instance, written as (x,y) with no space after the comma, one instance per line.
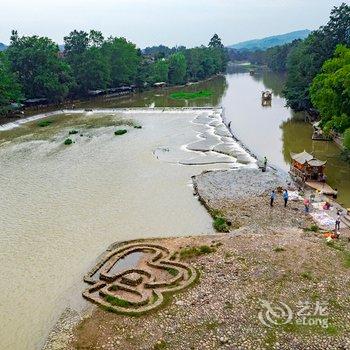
(272,198)
(307,205)
(265,165)
(337,223)
(285,197)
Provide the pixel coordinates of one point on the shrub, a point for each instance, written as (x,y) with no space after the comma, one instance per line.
(190,252)
(68,142)
(44,123)
(120,132)
(220,224)
(307,275)
(278,249)
(312,228)
(204,249)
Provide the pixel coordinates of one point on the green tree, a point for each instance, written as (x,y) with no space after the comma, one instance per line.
(10,90)
(93,71)
(75,43)
(330,91)
(83,52)
(306,60)
(157,72)
(215,41)
(40,70)
(124,60)
(177,69)
(96,38)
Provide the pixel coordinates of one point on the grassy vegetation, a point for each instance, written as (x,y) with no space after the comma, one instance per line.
(307,275)
(211,325)
(117,302)
(228,305)
(44,123)
(228,255)
(120,132)
(341,248)
(278,249)
(172,271)
(347,259)
(306,329)
(312,228)
(68,141)
(220,223)
(184,95)
(190,252)
(160,345)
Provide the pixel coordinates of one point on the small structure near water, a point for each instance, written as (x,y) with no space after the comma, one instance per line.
(160,84)
(307,169)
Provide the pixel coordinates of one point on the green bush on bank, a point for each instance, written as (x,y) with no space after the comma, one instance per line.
(44,123)
(120,132)
(68,142)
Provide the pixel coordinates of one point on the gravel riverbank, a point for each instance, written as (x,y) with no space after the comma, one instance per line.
(267,259)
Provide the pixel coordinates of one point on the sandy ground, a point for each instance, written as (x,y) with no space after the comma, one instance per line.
(268,284)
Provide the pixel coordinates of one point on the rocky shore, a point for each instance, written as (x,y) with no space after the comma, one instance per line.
(270,257)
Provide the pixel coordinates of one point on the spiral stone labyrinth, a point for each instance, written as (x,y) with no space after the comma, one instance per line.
(134,278)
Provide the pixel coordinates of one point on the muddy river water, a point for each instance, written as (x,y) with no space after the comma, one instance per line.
(61,206)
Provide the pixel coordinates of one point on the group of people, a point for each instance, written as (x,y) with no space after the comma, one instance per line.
(273,197)
(307,203)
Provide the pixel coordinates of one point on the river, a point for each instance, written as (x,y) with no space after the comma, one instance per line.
(273,131)
(60,208)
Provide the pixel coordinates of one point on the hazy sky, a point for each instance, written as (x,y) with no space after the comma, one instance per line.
(170,22)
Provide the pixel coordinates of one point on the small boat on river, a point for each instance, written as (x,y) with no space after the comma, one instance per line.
(266,98)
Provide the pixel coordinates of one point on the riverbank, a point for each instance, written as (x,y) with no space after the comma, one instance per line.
(268,256)
(92,101)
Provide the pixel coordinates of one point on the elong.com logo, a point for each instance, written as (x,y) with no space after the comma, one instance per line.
(307,314)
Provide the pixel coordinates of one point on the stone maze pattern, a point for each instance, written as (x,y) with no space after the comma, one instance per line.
(141,288)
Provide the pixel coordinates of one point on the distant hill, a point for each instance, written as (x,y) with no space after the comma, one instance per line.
(265,43)
(2,47)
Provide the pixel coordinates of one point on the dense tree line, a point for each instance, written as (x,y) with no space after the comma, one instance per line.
(330,92)
(306,60)
(275,57)
(10,90)
(318,70)
(34,67)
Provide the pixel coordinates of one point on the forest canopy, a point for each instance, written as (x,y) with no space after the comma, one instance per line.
(33,67)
